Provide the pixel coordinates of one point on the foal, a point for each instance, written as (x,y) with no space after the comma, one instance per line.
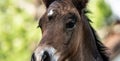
(67,34)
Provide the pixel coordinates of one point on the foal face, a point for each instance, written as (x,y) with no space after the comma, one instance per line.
(58,26)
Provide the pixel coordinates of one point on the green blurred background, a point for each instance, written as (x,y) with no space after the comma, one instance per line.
(19,34)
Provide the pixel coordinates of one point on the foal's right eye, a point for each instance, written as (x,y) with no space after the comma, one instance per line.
(71,24)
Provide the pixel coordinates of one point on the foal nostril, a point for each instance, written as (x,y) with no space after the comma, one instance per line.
(45,56)
(33,57)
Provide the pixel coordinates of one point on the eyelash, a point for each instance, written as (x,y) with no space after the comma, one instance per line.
(71,24)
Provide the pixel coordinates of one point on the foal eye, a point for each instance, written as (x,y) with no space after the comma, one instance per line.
(71,24)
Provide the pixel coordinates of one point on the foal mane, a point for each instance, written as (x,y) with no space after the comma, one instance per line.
(100,47)
(80,5)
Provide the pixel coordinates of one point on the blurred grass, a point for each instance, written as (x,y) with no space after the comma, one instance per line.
(18,32)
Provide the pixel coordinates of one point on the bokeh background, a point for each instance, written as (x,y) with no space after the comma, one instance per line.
(19,34)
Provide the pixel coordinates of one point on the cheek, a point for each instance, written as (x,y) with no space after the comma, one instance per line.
(68,37)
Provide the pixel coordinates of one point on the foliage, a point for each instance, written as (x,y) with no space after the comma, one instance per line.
(100,12)
(18,32)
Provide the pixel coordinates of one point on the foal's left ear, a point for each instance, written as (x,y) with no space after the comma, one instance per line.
(80,4)
(48,2)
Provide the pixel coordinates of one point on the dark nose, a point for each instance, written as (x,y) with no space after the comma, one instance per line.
(45,57)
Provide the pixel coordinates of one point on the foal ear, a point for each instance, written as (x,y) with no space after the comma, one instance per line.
(80,4)
(47,2)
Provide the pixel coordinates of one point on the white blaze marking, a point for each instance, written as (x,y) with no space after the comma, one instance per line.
(50,12)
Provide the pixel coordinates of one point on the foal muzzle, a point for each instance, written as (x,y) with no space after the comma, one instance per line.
(45,54)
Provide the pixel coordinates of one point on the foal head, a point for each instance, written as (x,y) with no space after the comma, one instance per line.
(63,32)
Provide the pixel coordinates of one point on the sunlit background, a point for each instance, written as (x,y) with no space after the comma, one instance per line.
(19,34)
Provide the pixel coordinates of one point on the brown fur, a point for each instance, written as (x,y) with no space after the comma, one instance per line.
(78,44)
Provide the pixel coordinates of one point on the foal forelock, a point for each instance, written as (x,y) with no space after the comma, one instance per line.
(61,6)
